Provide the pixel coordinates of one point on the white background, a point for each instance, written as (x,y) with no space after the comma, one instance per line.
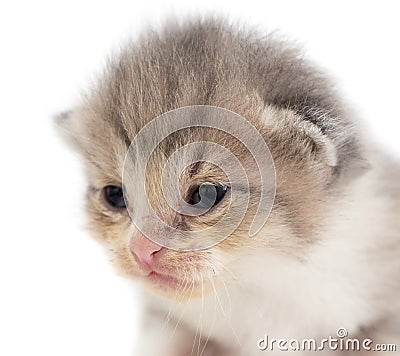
(58,294)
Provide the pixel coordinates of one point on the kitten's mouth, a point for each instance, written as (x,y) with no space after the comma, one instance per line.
(174,287)
(163,280)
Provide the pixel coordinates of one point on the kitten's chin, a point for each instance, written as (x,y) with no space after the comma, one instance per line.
(175,288)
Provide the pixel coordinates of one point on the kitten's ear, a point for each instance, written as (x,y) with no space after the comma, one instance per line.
(324,143)
(321,145)
(66,125)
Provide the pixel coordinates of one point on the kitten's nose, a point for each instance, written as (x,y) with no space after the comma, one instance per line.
(143,249)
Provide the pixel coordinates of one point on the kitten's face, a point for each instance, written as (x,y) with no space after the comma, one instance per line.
(290,105)
(155,255)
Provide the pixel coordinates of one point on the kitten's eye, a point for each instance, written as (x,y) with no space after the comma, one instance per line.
(114,196)
(207,195)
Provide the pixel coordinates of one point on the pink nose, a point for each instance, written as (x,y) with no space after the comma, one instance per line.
(143,248)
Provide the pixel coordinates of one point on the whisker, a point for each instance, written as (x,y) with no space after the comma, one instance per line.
(218,299)
(180,290)
(198,324)
(228,295)
(183,311)
(213,323)
(229,319)
(202,311)
(228,270)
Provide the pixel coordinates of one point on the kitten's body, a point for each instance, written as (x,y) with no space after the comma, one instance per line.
(329,255)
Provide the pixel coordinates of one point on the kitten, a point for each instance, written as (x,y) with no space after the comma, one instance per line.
(327,257)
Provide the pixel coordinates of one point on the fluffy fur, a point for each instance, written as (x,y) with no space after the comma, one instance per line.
(329,255)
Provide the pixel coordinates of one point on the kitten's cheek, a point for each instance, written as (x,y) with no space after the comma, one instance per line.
(144,251)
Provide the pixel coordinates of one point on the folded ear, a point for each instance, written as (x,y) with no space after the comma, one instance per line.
(323,143)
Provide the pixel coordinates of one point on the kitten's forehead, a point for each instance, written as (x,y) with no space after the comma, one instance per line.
(112,125)
(200,65)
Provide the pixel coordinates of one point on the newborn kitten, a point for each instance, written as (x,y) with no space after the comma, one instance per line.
(329,254)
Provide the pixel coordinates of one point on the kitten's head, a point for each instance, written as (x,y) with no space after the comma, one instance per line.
(146,214)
